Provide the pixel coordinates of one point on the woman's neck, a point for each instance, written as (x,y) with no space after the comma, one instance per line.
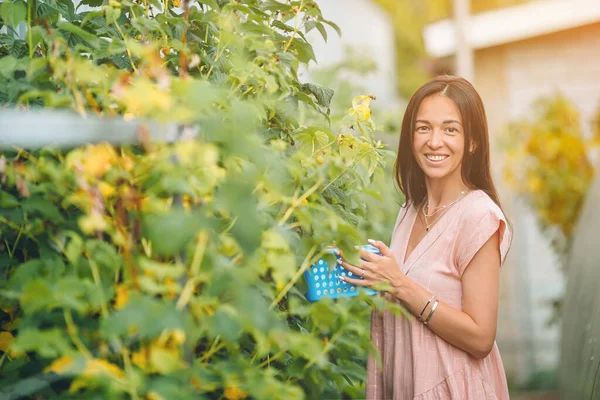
(440,193)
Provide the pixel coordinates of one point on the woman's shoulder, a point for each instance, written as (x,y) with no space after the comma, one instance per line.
(477,205)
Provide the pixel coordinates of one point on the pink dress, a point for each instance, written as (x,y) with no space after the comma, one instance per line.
(418,364)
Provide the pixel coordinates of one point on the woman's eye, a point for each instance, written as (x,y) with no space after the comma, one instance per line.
(452,130)
(422,128)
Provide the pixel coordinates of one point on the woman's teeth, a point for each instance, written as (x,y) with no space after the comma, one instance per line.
(436,158)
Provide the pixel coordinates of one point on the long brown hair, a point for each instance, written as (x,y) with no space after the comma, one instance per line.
(475,166)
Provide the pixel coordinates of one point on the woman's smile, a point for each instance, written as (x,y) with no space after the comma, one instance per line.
(436,159)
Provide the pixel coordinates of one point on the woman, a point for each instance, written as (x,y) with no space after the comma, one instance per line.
(448,244)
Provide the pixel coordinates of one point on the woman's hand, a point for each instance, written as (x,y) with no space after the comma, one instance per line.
(374,269)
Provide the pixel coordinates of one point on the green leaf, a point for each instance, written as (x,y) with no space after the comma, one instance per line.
(145,315)
(321,28)
(278,24)
(112,14)
(273,5)
(225,322)
(334,26)
(144,24)
(323,94)
(13,12)
(170,232)
(64,8)
(49,343)
(305,51)
(7,200)
(309,26)
(91,3)
(43,207)
(90,38)
(36,296)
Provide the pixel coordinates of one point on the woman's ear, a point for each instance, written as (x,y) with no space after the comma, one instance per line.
(472,148)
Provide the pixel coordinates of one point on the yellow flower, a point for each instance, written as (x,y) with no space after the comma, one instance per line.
(235,393)
(360,107)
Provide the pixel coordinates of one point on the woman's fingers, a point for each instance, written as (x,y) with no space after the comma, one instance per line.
(364,273)
(367,255)
(356,282)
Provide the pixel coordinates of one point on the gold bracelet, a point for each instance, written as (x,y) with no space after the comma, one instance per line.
(428,301)
(431,312)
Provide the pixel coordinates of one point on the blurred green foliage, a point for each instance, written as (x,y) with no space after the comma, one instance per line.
(173,269)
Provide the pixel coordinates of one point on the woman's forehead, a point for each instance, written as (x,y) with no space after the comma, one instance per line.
(438,108)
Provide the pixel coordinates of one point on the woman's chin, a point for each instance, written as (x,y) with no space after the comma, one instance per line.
(436,174)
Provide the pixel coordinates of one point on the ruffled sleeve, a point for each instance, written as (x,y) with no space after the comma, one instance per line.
(480,221)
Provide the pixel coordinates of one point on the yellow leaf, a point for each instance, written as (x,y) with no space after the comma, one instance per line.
(195,381)
(235,393)
(92,223)
(60,365)
(97,367)
(106,190)
(98,159)
(178,336)
(77,385)
(127,163)
(5,339)
(154,396)
(140,358)
(122,296)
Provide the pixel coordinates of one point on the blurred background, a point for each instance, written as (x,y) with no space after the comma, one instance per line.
(536,65)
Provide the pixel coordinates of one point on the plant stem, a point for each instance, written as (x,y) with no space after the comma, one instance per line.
(29,25)
(342,174)
(308,261)
(98,282)
(72,332)
(129,371)
(213,349)
(127,48)
(289,43)
(326,349)
(190,284)
(299,201)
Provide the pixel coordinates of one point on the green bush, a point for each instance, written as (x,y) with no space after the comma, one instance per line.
(173,269)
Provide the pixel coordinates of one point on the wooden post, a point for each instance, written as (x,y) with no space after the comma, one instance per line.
(464,52)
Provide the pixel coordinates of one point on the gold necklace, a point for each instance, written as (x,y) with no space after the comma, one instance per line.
(445,207)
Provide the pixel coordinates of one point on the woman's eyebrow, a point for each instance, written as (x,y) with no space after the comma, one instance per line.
(449,121)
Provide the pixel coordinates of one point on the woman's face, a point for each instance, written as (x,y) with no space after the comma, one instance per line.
(438,139)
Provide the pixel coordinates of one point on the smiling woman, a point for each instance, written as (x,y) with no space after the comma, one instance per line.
(448,244)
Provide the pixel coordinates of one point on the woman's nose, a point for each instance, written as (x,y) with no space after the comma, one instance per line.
(435,140)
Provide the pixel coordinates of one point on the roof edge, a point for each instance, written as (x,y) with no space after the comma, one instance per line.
(511,24)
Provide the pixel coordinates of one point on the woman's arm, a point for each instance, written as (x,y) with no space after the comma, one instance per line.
(474,328)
